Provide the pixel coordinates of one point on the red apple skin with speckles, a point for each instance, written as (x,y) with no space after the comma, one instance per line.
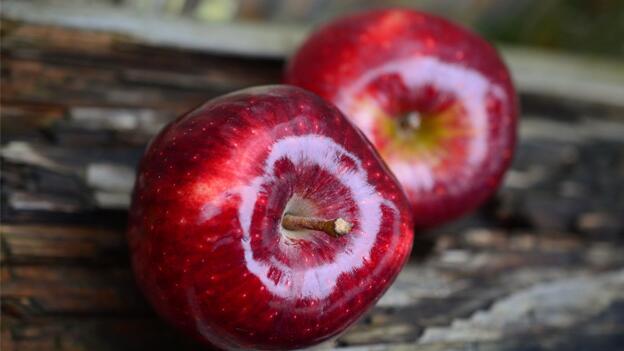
(435,99)
(205,233)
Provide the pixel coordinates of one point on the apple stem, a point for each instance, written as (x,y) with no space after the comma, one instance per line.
(334,227)
(411,121)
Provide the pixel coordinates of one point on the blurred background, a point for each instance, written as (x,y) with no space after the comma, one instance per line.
(594,27)
(85,84)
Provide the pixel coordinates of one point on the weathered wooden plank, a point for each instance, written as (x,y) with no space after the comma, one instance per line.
(560,303)
(63,244)
(462,273)
(548,187)
(38,290)
(449,298)
(91,333)
(67,159)
(37,82)
(79,46)
(252,39)
(133,61)
(574,79)
(603,331)
(25,117)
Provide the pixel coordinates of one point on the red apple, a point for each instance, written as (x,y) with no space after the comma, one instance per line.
(435,99)
(263,219)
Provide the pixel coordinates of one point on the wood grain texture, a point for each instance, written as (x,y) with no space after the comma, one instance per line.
(554,75)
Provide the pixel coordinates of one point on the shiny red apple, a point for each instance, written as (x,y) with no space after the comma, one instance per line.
(264,220)
(435,99)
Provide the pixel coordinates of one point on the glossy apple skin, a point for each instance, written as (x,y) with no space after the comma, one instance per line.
(205,236)
(380,65)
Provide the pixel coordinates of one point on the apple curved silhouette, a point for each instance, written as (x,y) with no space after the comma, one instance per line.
(435,99)
(264,220)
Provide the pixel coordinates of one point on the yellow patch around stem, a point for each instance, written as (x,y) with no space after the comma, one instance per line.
(421,135)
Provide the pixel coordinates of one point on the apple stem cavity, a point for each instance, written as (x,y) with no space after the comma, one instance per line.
(334,227)
(411,120)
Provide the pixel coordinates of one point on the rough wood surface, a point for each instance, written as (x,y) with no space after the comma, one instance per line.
(541,266)
(557,76)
